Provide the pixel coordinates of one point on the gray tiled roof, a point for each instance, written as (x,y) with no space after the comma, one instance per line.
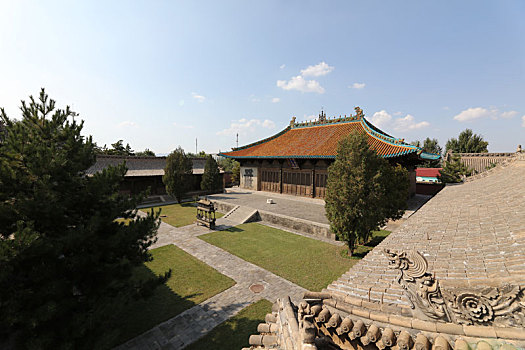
(470,234)
(141,166)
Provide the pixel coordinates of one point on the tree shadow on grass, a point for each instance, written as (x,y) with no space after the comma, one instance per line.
(228,335)
(234,229)
(235,332)
(140,315)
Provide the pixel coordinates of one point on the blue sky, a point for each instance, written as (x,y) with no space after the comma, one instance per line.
(159,74)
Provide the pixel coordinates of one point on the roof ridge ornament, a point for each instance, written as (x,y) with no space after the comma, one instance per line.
(322,117)
(358,112)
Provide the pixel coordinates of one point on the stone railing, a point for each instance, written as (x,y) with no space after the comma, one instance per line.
(480,162)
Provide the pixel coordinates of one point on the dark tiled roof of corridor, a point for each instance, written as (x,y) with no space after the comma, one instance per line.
(140,166)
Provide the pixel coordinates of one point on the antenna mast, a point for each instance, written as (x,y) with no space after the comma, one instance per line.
(237,142)
(196,147)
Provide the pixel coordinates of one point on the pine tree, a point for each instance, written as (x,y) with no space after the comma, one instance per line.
(211,179)
(431,146)
(65,263)
(467,142)
(177,174)
(363,191)
(454,170)
(236,172)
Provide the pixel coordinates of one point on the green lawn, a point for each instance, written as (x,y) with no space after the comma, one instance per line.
(234,333)
(191,283)
(178,214)
(309,263)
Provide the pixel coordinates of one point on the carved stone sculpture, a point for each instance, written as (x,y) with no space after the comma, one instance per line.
(502,306)
(421,288)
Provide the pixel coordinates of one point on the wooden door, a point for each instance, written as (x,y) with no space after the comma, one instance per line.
(320,184)
(270,180)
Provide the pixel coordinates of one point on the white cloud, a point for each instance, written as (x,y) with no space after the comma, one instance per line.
(268,124)
(300,84)
(198,97)
(408,123)
(523,121)
(509,114)
(276,99)
(127,124)
(383,119)
(244,126)
(183,126)
(357,86)
(317,71)
(473,114)
(282,66)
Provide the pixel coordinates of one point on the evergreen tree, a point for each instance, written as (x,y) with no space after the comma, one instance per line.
(146,153)
(431,146)
(211,179)
(467,142)
(65,263)
(236,172)
(177,174)
(454,170)
(363,191)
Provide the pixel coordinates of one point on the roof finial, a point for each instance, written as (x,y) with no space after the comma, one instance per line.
(292,122)
(358,112)
(322,116)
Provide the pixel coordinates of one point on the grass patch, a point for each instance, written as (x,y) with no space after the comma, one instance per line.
(310,263)
(178,215)
(191,283)
(235,332)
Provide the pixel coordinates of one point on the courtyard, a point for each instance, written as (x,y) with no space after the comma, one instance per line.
(212,289)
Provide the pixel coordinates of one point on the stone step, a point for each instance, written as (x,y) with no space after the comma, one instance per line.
(241,215)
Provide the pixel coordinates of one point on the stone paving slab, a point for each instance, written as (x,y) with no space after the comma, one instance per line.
(197,321)
(297,207)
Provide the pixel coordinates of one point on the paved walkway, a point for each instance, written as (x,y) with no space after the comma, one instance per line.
(194,323)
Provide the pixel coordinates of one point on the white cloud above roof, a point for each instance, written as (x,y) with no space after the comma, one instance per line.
(408,122)
(244,126)
(383,119)
(300,84)
(318,70)
(476,113)
(473,114)
(357,86)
